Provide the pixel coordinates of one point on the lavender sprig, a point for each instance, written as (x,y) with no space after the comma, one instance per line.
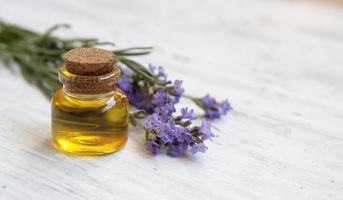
(213,109)
(166,132)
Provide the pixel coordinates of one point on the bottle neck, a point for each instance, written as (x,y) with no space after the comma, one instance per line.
(90,97)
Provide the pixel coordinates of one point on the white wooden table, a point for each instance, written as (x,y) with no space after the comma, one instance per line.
(280,63)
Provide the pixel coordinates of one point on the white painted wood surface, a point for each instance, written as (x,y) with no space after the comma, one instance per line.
(280,63)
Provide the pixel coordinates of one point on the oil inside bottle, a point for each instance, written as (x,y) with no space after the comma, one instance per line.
(89,125)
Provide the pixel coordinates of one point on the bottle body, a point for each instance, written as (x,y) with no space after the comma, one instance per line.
(89,125)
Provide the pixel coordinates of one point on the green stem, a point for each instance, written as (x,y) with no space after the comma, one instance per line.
(188,96)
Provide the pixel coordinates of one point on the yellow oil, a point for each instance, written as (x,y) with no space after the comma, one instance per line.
(89,125)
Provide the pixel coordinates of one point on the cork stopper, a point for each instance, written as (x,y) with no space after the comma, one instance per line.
(89,71)
(89,61)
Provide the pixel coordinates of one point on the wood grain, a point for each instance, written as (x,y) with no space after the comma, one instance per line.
(278,62)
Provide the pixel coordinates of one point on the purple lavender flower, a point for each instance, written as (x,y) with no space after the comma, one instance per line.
(176,150)
(160,73)
(208,101)
(139,100)
(125,84)
(225,106)
(152,122)
(212,114)
(165,111)
(160,98)
(177,89)
(213,109)
(166,132)
(176,138)
(205,129)
(183,135)
(172,134)
(187,114)
(199,147)
(153,147)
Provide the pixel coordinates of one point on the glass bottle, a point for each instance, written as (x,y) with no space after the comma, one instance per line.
(90,114)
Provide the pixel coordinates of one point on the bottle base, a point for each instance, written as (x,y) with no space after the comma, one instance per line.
(77,149)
